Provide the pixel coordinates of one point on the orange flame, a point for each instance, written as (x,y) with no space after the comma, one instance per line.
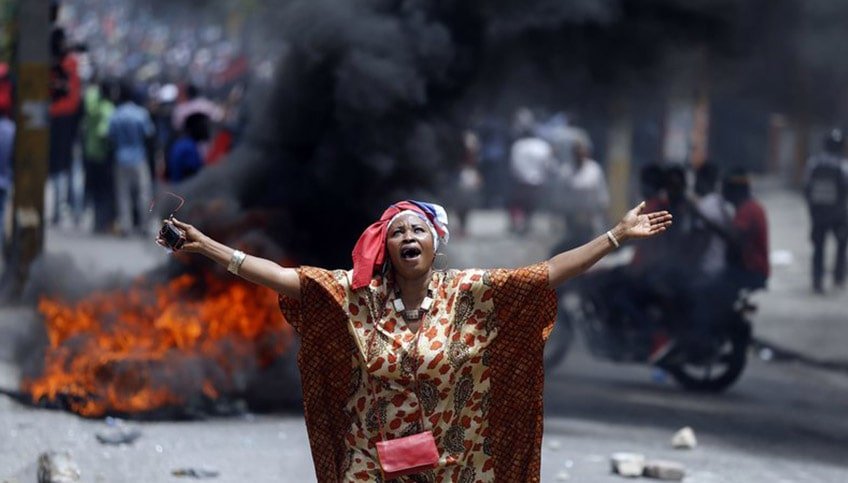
(153,346)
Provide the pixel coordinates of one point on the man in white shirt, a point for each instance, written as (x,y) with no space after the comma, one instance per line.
(531,162)
(717,210)
(589,196)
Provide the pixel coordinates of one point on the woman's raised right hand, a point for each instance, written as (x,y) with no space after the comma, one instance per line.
(194,238)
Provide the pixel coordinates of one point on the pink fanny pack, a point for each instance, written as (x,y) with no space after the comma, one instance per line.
(408,455)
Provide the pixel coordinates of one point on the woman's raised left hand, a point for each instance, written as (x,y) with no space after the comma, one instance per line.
(636,224)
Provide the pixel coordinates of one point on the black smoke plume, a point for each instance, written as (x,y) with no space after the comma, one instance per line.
(370,97)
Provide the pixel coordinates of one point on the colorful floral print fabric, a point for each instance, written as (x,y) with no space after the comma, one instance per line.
(472,374)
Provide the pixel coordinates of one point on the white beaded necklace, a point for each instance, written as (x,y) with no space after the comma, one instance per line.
(413,315)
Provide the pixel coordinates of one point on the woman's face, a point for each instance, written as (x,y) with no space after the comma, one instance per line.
(410,246)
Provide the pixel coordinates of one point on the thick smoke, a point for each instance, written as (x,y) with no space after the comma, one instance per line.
(355,119)
(370,98)
(370,95)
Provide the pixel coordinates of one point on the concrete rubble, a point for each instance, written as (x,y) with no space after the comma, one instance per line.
(634,465)
(628,464)
(664,470)
(57,467)
(684,439)
(118,436)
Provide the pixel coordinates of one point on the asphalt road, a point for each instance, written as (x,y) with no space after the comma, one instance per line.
(782,422)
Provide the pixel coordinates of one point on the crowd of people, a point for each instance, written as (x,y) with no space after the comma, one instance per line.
(127,128)
(170,40)
(534,165)
(720,228)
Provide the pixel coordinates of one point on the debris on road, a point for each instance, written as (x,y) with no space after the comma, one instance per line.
(628,464)
(781,258)
(664,470)
(199,473)
(57,467)
(118,436)
(562,476)
(684,439)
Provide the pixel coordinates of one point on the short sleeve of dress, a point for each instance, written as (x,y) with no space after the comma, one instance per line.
(523,298)
(323,294)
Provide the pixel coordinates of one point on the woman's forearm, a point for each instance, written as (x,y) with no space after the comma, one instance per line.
(573,262)
(257,270)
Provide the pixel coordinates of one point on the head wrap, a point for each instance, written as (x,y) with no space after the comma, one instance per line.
(436,238)
(370,251)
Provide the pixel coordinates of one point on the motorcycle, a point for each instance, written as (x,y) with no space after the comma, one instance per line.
(622,321)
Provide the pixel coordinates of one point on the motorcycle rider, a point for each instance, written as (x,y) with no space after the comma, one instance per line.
(657,274)
(709,203)
(747,258)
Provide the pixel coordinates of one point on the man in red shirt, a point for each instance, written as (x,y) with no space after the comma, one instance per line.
(749,250)
(66,96)
(747,265)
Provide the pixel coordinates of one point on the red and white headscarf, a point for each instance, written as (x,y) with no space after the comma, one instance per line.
(370,251)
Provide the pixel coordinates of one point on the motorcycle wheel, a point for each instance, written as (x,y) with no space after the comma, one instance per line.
(559,340)
(718,372)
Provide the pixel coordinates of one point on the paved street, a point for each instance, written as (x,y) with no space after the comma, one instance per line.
(782,422)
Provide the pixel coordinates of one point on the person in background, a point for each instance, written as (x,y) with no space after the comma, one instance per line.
(5,89)
(130,131)
(493,134)
(681,250)
(711,205)
(826,193)
(531,160)
(590,197)
(468,182)
(184,159)
(651,189)
(65,108)
(747,265)
(229,132)
(194,102)
(7,143)
(161,111)
(99,168)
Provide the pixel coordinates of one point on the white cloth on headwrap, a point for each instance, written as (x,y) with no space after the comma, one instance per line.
(441,217)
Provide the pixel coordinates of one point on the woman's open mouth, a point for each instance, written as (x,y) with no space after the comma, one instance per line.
(410,253)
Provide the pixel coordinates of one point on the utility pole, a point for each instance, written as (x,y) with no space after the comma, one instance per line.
(619,154)
(31,74)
